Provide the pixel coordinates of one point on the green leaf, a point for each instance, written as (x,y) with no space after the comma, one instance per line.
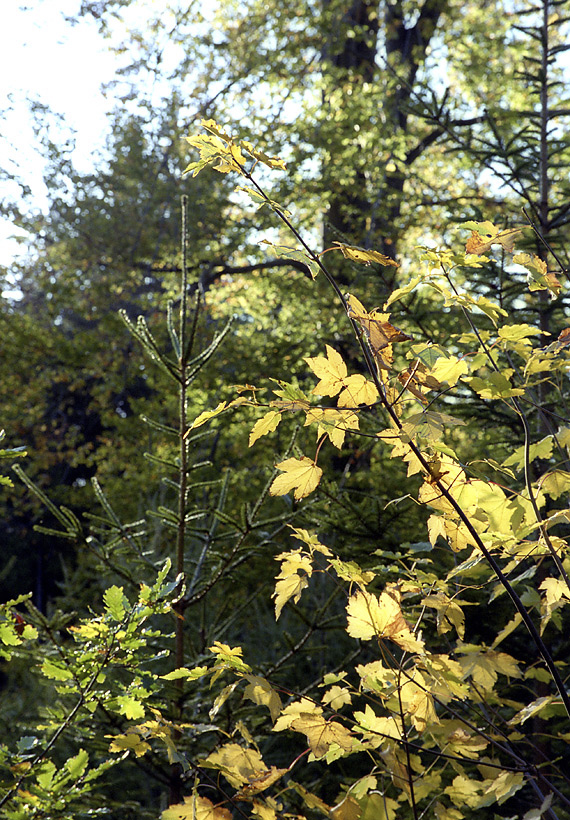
(542,449)
(8,634)
(55,671)
(130,707)
(188,674)
(115,601)
(286,252)
(76,765)
(495,386)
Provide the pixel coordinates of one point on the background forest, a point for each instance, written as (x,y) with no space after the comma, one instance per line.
(285,504)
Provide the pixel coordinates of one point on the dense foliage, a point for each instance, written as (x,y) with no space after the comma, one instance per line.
(289,538)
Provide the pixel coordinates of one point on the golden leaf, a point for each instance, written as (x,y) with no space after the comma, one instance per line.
(267,424)
(484,235)
(377,329)
(260,691)
(303,475)
(330,370)
(195,808)
(370,617)
(322,734)
(365,257)
(238,764)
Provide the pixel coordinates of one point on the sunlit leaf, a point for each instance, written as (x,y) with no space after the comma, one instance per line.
(267,424)
(484,235)
(302,475)
(115,601)
(371,617)
(195,808)
(129,742)
(322,734)
(364,256)
(260,691)
(237,763)
(330,370)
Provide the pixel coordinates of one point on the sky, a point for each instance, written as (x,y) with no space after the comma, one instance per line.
(63,66)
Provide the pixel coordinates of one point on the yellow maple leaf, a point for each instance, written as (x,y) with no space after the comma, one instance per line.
(129,742)
(540,278)
(206,416)
(370,617)
(286,588)
(363,255)
(260,691)
(556,594)
(333,423)
(417,701)
(381,335)
(484,665)
(195,808)
(337,696)
(484,235)
(449,613)
(322,734)
(347,809)
(292,711)
(357,390)
(331,371)
(267,424)
(259,782)
(505,785)
(464,791)
(238,764)
(302,474)
(376,729)
(263,811)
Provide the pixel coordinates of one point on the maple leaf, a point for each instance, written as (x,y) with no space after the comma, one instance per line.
(330,370)
(333,423)
(263,811)
(484,235)
(540,278)
(271,162)
(195,808)
(260,691)
(416,377)
(286,588)
(292,711)
(311,540)
(377,729)
(238,764)
(370,617)
(377,329)
(259,782)
(301,474)
(484,665)
(464,791)
(364,256)
(321,734)
(556,594)
(417,701)
(337,696)
(131,741)
(357,390)
(564,337)
(449,613)
(206,416)
(267,424)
